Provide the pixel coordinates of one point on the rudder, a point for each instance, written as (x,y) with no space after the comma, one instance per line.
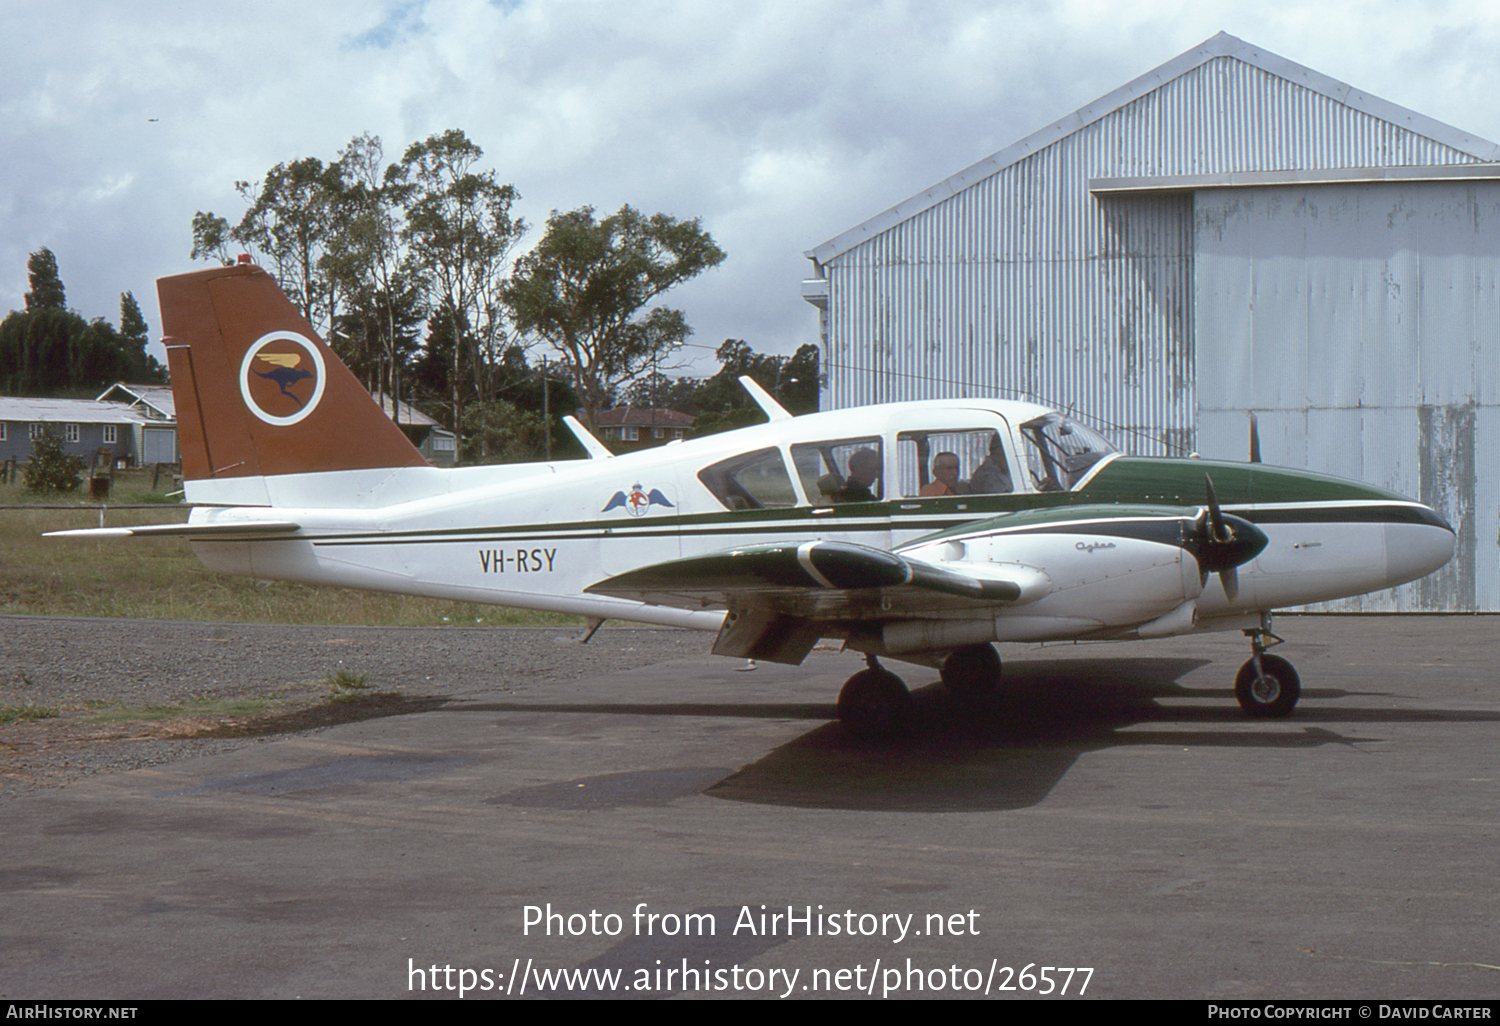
(257,392)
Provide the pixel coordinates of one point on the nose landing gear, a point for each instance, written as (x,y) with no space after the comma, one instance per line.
(1266,687)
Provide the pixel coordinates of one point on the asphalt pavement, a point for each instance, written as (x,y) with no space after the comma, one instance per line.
(1108,826)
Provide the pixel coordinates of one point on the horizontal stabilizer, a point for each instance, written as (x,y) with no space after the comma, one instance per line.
(217,532)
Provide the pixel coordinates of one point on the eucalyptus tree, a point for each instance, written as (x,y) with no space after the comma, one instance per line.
(290,224)
(459,232)
(585,288)
(367,258)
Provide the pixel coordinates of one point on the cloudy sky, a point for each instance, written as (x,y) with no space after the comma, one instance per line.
(780,123)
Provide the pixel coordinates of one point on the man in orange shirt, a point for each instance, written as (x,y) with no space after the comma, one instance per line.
(945,476)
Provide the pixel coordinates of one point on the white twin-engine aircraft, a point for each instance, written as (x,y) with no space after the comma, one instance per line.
(921,532)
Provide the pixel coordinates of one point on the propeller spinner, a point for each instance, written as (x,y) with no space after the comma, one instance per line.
(1223,542)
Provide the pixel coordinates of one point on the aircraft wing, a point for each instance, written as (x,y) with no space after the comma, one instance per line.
(223,531)
(810,578)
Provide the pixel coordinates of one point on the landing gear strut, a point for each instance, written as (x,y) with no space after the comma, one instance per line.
(972,671)
(874,703)
(1266,687)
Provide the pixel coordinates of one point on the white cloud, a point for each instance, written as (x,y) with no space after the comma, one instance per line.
(779,123)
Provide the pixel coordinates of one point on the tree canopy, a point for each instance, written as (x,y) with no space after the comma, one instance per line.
(459,232)
(586,284)
(47,348)
(720,402)
(47,291)
(371,252)
(410,270)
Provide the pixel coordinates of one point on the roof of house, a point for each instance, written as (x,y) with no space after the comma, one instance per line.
(643,416)
(156,399)
(405,412)
(69,411)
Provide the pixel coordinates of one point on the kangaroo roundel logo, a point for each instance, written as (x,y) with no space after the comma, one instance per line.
(282,377)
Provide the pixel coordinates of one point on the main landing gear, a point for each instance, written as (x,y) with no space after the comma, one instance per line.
(972,671)
(1266,687)
(875,704)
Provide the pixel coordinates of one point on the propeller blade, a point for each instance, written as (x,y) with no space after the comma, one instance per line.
(1217,530)
(1222,541)
(1254,438)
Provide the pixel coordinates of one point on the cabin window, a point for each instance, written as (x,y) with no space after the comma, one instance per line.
(920,455)
(826,476)
(756,480)
(1059,452)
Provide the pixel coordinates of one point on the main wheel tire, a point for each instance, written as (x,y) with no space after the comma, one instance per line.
(1269,693)
(874,704)
(972,671)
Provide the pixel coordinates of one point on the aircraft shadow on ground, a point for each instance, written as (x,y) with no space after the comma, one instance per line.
(1005,751)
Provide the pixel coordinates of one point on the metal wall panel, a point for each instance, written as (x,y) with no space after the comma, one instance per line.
(1359,321)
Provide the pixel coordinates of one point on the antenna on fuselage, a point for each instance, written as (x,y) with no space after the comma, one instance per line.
(772,409)
(591,445)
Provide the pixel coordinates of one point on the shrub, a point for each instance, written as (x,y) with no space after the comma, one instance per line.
(51,468)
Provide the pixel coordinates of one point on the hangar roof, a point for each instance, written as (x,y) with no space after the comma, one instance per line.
(1222,45)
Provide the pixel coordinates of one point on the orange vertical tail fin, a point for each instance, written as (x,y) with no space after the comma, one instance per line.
(257,392)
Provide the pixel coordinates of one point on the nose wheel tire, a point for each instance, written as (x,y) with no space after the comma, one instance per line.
(1269,691)
(874,704)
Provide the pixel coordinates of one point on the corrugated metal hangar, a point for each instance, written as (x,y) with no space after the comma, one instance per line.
(1230,233)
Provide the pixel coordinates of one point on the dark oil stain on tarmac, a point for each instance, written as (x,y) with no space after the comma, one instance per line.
(34,878)
(354,769)
(120,822)
(654,787)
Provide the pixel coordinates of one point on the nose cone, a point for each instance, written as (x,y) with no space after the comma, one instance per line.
(1414,550)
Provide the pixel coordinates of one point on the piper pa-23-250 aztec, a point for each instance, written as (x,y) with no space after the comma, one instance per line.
(920,531)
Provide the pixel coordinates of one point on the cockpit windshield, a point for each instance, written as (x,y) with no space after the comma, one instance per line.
(1059,451)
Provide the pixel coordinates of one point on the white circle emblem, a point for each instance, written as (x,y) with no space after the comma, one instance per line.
(283,372)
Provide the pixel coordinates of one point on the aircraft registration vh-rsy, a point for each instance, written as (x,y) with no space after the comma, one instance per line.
(922,532)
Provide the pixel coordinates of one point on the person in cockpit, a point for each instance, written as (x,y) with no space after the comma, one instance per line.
(993,475)
(864,470)
(945,469)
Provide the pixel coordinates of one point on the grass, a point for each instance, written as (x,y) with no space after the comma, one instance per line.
(302,706)
(24,713)
(346,685)
(130,486)
(238,707)
(291,696)
(159,578)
